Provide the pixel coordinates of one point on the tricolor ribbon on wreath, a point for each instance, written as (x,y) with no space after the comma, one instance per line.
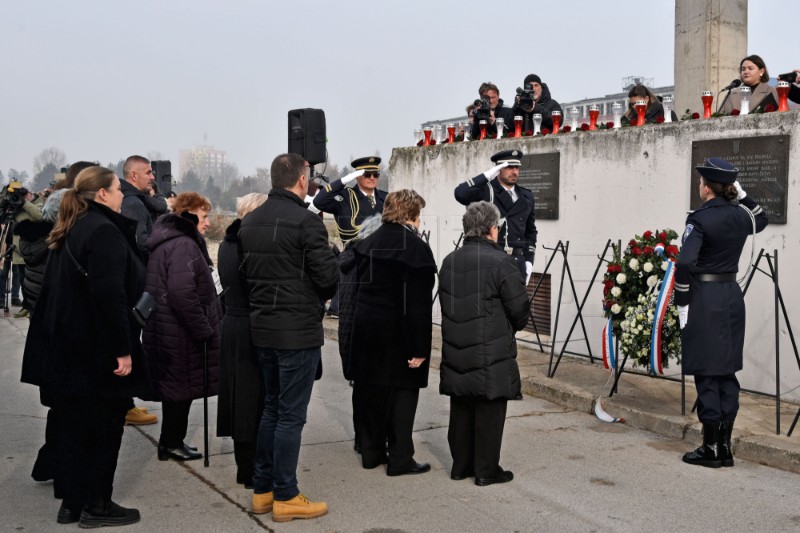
(662,303)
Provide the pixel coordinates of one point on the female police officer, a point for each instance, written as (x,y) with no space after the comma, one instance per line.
(711,305)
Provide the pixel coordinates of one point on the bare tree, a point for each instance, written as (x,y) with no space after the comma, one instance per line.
(49,156)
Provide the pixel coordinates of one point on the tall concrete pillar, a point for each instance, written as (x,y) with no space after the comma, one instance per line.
(710,41)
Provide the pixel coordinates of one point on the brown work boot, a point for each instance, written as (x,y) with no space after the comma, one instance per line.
(139,417)
(262,503)
(297,507)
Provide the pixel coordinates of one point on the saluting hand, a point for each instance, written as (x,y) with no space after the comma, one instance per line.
(352,176)
(494,171)
(124,366)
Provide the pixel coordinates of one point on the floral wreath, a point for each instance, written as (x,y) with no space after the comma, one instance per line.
(630,292)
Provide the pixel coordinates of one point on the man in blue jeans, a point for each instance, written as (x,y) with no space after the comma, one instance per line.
(290,270)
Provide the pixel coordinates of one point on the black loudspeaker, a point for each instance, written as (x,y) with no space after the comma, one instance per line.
(162,171)
(307,135)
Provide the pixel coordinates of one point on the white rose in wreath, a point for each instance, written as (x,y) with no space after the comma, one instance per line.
(616,308)
(652,280)
(615,292)
(648,267)
(664,266)
(634,264)
(621,278)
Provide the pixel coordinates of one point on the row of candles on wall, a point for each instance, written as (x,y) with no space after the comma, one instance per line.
(437,133)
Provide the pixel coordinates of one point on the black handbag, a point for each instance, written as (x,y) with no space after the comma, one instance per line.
(144,307)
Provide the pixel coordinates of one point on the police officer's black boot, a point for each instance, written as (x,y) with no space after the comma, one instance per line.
(707,454)
(725,449)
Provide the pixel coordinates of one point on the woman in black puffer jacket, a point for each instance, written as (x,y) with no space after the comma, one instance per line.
(187,321)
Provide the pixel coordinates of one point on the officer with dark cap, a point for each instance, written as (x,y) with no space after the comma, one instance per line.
(518,224)
(543,103)
(350,206)
(711,306)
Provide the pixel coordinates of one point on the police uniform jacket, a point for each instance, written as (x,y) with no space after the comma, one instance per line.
(519,231)
(713,337)
(348,205)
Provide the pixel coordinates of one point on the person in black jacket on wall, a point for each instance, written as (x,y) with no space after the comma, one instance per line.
(652,112)
(489,92)
(484,302)
(543,102)
(83,344)
(241,385)
(290,271)
(711,306)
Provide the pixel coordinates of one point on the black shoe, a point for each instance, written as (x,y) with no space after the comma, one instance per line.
(184,453)
(503,477)
(69,513)
(16,302)
(107,513)
(415,468)
(192,448)
(459,477)
(725,448)
(708,454)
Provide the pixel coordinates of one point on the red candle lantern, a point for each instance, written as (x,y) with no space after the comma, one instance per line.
(451,133)
(707,97)
(427,131)
(556,115)
(641,107)
(518,126)
(594,112)
(482,124)
(783,93)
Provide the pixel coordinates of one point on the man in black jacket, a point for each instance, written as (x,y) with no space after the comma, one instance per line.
(543,103)
(483,303)
(489,92)
(290,271)
(516,205)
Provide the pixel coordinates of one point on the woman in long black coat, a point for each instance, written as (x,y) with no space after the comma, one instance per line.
(391,340)
(83,344)
(187,321)
(241,385)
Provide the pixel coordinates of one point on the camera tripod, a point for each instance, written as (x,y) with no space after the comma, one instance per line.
(8,223)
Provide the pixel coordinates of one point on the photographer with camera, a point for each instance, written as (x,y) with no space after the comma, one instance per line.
(534,97)
(489,108)
(16,206)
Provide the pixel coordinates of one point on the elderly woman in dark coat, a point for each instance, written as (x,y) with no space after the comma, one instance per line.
(83,344)
(241,385)
(391,340)
(484,303)
(187,321)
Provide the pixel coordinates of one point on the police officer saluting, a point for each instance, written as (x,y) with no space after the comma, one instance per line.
(711,305)
(350,206)
(518,223)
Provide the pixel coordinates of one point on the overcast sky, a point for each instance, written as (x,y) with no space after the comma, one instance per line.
(102,79)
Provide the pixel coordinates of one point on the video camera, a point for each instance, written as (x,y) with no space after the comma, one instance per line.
(482,111)
(12,198)
(526,100)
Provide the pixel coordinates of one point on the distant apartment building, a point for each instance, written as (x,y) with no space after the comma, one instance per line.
(204,160)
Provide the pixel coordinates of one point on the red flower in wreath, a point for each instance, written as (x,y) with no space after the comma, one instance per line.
(769,108)
(663,237)
(648,250)
(632,242)
(584,127)
(672,250)
(636,251)
(647,235)
(659,120)
(735,113)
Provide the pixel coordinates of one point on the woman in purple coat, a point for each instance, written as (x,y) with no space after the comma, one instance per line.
(187,321)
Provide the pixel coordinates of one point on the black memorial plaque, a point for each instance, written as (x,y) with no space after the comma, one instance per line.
(539,173)
(763,164)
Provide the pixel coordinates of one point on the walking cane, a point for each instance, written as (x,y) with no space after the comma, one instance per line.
(205,403)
